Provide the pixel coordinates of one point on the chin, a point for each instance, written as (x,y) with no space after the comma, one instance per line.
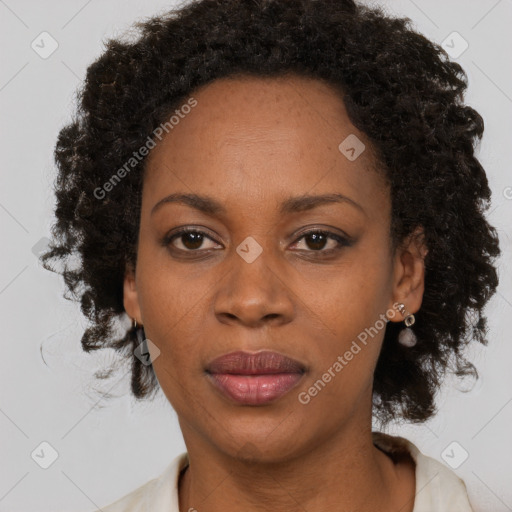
(261,441)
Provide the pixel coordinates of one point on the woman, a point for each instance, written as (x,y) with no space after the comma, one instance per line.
(279,195)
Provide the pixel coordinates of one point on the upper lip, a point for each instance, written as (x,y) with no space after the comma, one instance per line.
(250,363)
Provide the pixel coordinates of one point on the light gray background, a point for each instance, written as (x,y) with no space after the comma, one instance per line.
(108,447)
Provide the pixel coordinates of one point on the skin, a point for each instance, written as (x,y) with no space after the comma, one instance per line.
(251,143)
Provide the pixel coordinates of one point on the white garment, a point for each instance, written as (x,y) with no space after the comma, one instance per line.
(438,488)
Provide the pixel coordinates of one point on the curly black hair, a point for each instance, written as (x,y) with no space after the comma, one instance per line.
(398,87)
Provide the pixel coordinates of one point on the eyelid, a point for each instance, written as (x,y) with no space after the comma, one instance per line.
(331,231)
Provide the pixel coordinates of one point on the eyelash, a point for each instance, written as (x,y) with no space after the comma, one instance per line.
(341,240)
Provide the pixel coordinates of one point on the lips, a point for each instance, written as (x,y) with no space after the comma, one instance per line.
(254,378)
(246,363)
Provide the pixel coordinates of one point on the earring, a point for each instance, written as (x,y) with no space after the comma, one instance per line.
(141,337)
(406,337)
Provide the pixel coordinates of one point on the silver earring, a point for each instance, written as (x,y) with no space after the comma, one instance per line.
(141,338)
(406,337)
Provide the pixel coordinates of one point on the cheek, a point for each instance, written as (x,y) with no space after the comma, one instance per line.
(169,298)
(178,366)
(353,295)
(170,307)
(342,376)
(352,308)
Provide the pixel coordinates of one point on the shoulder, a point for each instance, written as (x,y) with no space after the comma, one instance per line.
(160,493)
(437,486)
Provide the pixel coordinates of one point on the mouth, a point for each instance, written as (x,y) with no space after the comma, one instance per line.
(254,378)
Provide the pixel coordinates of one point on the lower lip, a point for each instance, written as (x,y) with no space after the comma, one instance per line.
(255,389)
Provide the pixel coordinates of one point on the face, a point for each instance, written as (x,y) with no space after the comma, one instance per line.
(267,269)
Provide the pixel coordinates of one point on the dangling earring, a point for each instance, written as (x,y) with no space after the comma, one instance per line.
(406,336)
(141,338)
(141,351)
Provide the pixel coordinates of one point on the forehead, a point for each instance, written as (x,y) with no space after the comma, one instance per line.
(264,138)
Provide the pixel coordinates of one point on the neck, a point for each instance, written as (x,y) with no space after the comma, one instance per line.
(342,474)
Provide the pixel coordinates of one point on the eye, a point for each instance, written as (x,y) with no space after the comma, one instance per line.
(317,240)
(190,240)
(193,240)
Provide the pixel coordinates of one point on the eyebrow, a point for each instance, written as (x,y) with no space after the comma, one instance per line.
(211,206)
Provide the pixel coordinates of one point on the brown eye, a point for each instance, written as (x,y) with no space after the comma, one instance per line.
(317,240)
(190,239)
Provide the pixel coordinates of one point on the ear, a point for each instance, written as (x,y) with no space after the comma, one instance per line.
(130,297)
(409,273)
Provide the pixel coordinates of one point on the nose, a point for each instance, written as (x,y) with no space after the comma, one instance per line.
(254,294)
